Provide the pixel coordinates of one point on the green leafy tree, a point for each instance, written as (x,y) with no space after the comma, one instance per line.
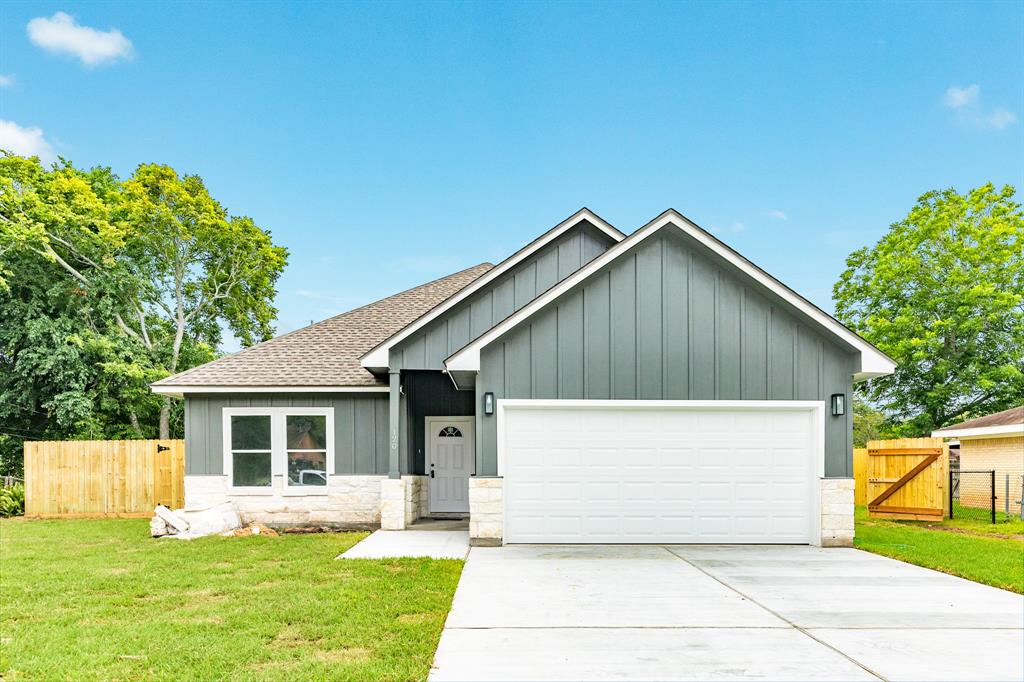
(194,267)
(868,423)
(106,286)
(942,293)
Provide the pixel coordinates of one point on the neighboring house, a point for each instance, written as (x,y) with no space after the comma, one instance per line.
(994,443)
(592,387)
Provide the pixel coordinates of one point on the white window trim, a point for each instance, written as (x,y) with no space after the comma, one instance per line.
(278,449)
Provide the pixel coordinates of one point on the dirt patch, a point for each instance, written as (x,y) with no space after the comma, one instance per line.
(290,636)
(255,529)
(310,530)
(965,531)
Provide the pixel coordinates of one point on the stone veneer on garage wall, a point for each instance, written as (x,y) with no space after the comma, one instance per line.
(486,511)
(837,512)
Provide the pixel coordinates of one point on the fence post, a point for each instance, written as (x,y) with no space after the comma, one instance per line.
(993,474)
(951,492)
(1006,498)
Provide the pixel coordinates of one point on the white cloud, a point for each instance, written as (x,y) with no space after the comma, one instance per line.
(6,80)
(776,213)
(25,141)
(962,97)
(966,102)
(735,227)
(61,34)
(999,119)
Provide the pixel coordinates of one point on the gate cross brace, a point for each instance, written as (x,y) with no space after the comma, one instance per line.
(891,490)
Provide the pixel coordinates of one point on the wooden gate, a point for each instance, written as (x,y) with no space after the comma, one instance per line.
(907,479)
(82,478)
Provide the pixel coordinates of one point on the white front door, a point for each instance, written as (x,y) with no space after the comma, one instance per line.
(659,471)
(450,447)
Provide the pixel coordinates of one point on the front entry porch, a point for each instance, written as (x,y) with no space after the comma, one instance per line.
(432,450)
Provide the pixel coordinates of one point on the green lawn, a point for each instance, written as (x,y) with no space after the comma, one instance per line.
(100,600)
(965,548)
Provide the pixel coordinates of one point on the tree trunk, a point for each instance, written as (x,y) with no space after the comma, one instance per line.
(165,419)
(134,419)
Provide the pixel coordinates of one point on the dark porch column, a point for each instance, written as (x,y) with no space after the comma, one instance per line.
(394,440)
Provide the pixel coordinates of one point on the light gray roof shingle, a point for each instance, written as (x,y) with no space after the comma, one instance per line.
(326,353)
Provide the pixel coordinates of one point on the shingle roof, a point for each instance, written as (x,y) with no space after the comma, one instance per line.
(1014,415)
(326,353)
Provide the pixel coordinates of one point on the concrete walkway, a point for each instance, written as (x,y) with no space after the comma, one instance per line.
(393,544)
(711,612)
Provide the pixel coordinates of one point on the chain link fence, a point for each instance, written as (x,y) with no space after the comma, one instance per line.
(984,495)
(973,495)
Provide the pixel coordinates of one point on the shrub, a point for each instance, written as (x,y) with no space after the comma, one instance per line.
(12,500)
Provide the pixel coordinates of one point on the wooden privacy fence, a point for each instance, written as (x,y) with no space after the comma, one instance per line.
(907,479)
(103,477)
(860,476)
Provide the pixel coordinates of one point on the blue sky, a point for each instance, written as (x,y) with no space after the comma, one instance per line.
(389,144)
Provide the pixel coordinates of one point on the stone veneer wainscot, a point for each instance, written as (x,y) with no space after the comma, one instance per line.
(837,512)
(486,511)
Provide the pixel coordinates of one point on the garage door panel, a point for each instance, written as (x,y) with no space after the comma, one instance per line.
(673,474)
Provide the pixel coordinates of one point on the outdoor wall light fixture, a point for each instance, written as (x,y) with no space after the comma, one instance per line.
(838,404)
(488,403)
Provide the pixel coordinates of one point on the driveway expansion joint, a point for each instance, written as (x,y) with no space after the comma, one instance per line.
(780,616)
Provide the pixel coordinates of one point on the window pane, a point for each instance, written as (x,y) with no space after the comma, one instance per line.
(251,432)
(307,468)
(251,469)
(307,432)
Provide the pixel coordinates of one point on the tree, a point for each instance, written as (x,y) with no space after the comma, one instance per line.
(194,267)
(868,423)
(106,286)
(942,293)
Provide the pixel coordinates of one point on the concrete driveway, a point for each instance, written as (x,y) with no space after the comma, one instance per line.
(715,612)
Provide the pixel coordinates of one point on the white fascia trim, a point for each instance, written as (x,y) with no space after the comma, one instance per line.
(179,390)
(981,431)
(873,362)
(378,358)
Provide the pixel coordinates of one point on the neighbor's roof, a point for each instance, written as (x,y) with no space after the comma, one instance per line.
(326,353)
(1001,423)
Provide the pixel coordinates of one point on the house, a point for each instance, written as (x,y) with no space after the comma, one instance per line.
(591,388)
(994,443)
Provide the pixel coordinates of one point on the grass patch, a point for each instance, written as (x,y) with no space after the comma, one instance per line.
(100,600)
(981,556)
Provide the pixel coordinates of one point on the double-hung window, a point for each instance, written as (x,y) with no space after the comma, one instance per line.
(277,449)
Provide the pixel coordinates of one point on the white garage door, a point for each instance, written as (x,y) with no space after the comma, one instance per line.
(659,471)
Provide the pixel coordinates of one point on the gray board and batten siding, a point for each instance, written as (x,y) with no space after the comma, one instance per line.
(669,320)
(429,346)
(360,428)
